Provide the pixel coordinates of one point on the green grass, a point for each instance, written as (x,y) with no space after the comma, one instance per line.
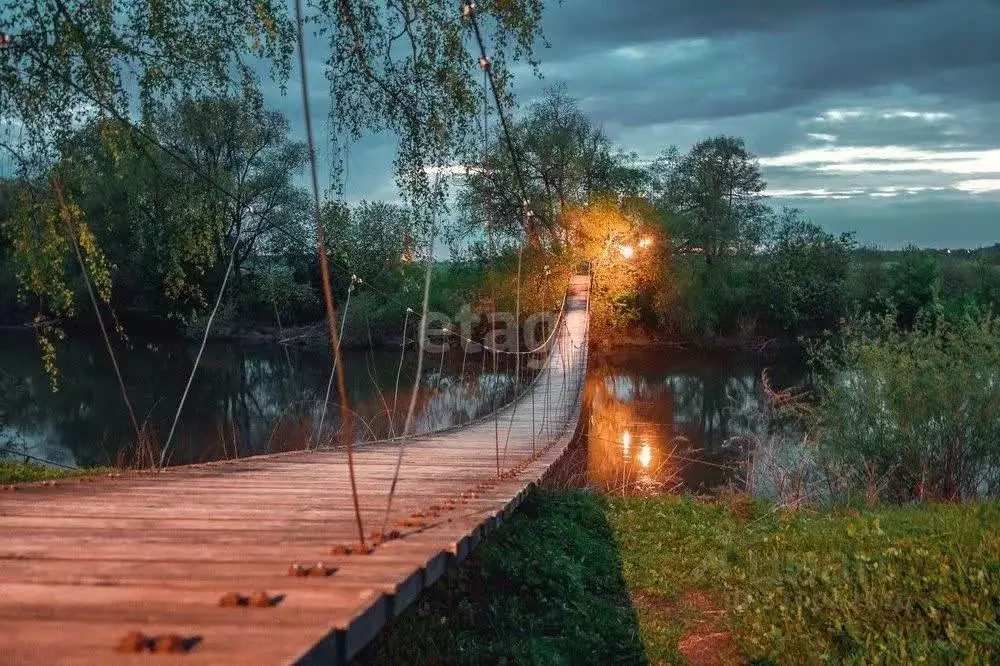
(888,585)
(576,578)
(545,589)
(12,471)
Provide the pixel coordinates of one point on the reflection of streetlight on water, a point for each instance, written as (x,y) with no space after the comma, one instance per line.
(645,455)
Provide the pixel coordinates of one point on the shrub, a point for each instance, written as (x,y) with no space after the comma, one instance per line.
(915,281)
(806,286)
(914,412)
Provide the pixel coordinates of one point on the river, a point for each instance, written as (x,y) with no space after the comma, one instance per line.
(658,419)
(246,399)
(662,419)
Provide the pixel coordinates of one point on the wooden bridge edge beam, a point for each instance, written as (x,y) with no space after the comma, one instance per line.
(339,646)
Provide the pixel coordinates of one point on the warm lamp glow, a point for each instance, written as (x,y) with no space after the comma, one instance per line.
(645,242)
(645,455)
(627,251)
(626,441)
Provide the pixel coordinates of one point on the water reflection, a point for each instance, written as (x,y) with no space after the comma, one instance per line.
(246,399)
(645,455)
(661,420)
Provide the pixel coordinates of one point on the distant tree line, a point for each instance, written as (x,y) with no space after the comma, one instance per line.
(686,246)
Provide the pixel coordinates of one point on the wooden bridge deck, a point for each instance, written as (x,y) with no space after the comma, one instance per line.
(85,562)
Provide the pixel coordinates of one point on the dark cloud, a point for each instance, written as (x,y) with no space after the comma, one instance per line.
(580,26)
(710,66)
(918,74)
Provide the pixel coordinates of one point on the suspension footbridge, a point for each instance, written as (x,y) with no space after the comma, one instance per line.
(259,560)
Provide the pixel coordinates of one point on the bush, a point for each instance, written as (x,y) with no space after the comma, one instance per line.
(915,281)
(911,413)
(806,285)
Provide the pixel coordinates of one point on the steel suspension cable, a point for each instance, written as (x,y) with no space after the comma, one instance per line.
(53,463)
(408,424)
(333,370)
(331,315)
(201,350)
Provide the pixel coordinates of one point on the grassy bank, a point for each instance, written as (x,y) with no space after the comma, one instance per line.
(12,471)
(546,588)
(576,578)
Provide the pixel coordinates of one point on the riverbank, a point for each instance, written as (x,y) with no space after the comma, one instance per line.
(739,343)
(579,578)
(389,336)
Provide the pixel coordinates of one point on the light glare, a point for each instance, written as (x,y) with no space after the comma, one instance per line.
(645,455)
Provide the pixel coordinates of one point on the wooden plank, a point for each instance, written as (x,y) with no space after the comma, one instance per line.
(83,561)
(80,643)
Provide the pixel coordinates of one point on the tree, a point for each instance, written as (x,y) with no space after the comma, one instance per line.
(714,197)
(564,161)
(807,274)
(245,150)
(373,238)
(621,246)
(170,224)
(915,281)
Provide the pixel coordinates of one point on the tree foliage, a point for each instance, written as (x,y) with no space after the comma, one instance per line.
(564,160)
(619,242)
(408,68)
(45,228)
(374,238)
(714,197)
(807,275)
(203,179)
(914,282)
(70,61)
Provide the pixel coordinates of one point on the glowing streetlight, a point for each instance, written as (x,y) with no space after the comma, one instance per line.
(627,251)
(645,242)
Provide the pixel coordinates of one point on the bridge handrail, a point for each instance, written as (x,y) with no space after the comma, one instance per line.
(560,323)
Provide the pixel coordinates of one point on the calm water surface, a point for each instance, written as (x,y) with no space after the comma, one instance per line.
(661,419)
(656,418)
(245,399)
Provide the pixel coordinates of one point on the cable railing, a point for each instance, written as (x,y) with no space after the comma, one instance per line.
(519,394)
(521,389)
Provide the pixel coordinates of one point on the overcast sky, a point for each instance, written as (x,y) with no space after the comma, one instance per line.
(875,116)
